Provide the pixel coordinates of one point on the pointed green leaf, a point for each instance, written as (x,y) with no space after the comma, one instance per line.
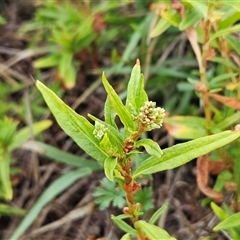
(160,27)
(67,158)
(48,61)
(76,126)
(190,19)
(158,213)
(24,134)
(226,31)
(7,210)
(234,42)
(233,4)
(6,191)
(67,70)
(124,226)
(231,221)
(110,114)
(126,237)
(218,211)
(221,77)
(117,104)
(151,147)
(152,231)
(109,166)
(200,6)
(136,96)
(225,62)
(172,16)
(182,153)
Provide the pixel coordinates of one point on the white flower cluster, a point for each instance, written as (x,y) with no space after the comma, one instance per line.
(151,116)
(99,130)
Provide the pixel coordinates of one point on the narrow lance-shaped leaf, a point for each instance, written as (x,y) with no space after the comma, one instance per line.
(136,96)
(109,166)
(117,104)
(151,147)
(158,213)
(76,126)
(180,154)
(152,231)
(24,134)
(110,114)
(223,32)
(65,157)
(231,221)
(123,225)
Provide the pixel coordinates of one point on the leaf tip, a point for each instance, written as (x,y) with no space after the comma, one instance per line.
(237,127)
(138,62)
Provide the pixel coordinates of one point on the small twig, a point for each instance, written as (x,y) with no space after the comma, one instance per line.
(85,94)
(71,216)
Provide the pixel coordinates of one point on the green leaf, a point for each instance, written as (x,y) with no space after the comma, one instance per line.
(67,158)
(144,197)
(226,122)
(109,167)
(51,60)
(6,191)
(117,104)
(226,31)
(107,193)
(221,77)
(200,6)
(172,16)
(233,4)
(186,127)
(7,210)
(229,222)
(182,153)
(57,187)
(190,19)
(136,96)
(152,231)
(24,134)
(160,27)
(67,70)
(234,42)
(113,134)
(158,213)
(218,211)
(225,62)
(151,147)
(123,225)
(110,114)
(126,237)
(2,20)
(76,126)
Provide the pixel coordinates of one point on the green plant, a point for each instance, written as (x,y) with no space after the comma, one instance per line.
(116,149)
(211,28)
(2,20)
(11,139)
(70,30)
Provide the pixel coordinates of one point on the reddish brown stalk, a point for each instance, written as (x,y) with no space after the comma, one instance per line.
(202,179)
